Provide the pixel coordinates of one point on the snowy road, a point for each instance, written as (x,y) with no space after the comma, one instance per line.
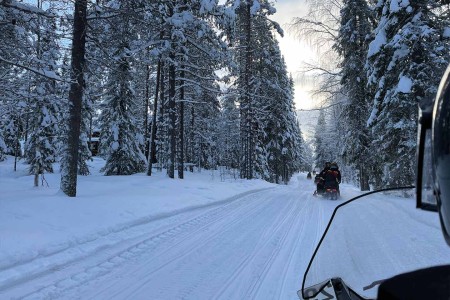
(251,248)
(255,246)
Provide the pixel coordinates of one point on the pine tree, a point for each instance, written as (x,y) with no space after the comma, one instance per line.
(229,133)
(352,45)
(120,138)
(188,59)
(405,61)
(253,28)
(3,148)
(40,149)
(324,140)
(17,31)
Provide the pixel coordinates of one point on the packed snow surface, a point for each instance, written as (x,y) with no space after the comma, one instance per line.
(209,236)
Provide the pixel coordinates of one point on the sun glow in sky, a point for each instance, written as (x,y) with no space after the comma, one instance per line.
(295,52)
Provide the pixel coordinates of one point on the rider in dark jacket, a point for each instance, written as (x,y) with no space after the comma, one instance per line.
(325,169)
(334,167)
(332,177)
(321,177)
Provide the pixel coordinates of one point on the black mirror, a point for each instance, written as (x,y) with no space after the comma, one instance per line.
(424,184)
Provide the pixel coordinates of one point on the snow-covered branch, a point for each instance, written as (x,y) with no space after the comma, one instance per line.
(43,72)
(26,8)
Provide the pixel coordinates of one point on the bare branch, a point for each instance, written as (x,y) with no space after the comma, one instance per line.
(324,107)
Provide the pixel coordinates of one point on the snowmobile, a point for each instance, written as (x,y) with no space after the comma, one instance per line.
(317,179)
(328,191)
(332,259)
(417,264)
(331,193)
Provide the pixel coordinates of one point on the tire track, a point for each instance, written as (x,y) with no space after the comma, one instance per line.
(116,259)
(279,239)
(221,230)
(301,227)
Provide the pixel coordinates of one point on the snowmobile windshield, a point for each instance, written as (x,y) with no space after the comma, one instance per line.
(374,238)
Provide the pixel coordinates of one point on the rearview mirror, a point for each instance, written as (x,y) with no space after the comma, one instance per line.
(424,176)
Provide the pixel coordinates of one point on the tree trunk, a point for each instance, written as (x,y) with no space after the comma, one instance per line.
(172,118)
(69,176)
(363,179)
(162,131)
(16,143)
(152,155)
(171,105)
(246,123)
(191,139)
(181,129)
(146,106)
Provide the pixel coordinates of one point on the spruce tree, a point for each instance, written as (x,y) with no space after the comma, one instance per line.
(40,149)
(120,138)
(352,45)
(405,61)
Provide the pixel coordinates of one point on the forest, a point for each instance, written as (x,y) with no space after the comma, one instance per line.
(379,61)
(163,85)
(180,85)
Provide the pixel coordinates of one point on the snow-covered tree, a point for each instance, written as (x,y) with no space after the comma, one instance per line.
(352,45)
(405,61)
(229,133)
(44,103)
(325,142)
(3,147)
(120,138)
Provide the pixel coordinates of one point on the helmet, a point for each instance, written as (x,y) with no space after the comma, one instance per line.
(327,164)
(334,166)
(440,150)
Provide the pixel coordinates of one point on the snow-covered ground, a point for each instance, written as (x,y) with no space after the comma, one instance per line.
(204,237)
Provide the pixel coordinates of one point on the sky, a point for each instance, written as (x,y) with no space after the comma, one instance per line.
(294,51)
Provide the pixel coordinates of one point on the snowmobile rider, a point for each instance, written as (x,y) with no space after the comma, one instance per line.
(309,176)
(335,168)
(320,179)
(325,169)
(433,282)
(332,177)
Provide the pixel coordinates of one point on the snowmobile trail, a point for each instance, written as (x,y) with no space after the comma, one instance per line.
(252,246)
(255,247)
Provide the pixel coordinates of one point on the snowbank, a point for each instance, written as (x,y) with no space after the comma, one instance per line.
(40,221)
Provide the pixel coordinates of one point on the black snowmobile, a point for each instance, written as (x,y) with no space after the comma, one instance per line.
(327,189)
(331,262)
(417,280)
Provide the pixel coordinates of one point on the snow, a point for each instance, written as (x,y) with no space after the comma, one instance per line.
(255,7)
(446,32)
(207,6)
(378,42)
(308,123)
(397,5)
(404,85)
(204,237)
(29,8)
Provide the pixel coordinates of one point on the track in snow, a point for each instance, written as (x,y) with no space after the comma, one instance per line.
(256,246)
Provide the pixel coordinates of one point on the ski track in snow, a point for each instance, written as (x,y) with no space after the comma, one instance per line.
(255,245)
